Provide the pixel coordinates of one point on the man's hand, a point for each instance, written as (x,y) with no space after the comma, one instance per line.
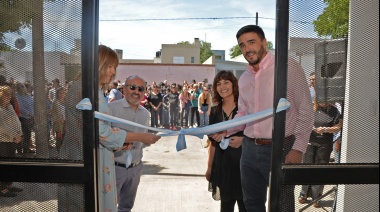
(293,157)
(17,139)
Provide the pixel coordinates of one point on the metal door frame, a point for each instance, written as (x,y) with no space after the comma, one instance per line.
(302,174)
(86,173)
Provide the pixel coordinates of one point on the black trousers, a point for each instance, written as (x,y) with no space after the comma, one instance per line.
(316,153)
(26,126)
(7,150)
(230,206)
(194,110)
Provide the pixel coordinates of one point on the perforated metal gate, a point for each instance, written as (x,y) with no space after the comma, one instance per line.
(46,162)
(332,41)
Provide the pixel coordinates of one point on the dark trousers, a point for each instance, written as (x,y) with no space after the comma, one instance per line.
(173,116)
(185,116)
(7,150)
(316,153)
(194,110)
(26,127)
(154,117)
(230,206)
(255,168)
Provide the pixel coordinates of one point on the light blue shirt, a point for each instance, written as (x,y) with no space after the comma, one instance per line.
(26,105)
(122,109)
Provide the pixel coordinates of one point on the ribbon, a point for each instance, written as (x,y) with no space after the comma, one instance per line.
(283,105)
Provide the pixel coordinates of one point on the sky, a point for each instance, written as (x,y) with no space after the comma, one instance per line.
(119,27)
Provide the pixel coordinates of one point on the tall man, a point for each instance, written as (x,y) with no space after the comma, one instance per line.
(256,89)
(129,108)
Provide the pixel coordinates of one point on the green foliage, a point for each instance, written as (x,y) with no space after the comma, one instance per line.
(14,16)
(334,19)
(269,45)
(184,42)
(235,51)
(205,51)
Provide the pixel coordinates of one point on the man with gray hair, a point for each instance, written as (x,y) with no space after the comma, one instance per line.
(129,108)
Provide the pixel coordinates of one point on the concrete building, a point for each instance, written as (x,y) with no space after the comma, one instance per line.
(172,72)
(181,53)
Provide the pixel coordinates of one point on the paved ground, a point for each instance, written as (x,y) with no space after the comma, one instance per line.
(172,181)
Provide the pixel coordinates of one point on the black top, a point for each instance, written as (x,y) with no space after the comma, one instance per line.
(155,99)
(325,117)
(225,174)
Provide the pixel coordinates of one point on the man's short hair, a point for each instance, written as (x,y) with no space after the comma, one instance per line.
(115,84)
(251,28)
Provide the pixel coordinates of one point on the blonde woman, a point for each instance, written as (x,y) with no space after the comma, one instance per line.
(204,106)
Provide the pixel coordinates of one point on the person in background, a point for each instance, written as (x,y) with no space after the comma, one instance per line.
(185,104)
(204,106)
(312,85)
(194,105)
(327,121)
(166,110)
(59,117)
(173,97)
(129,108)
(256,93)
(10,136)
(26,104)
(155,102)
(223,167)
(53,90)
(114,93)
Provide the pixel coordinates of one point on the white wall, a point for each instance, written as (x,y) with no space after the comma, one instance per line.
(361,114)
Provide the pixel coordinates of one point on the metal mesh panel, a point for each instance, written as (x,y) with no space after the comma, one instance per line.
(37,197)
(40,50)
(335,199)
(320,40)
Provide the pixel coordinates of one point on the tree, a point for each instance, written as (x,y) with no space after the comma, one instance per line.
(205,51)
(236,51)
(334,19)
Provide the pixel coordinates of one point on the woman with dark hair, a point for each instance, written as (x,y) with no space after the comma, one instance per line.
(327,121)
(223,170)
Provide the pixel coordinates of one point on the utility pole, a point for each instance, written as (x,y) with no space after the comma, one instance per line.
(257,18)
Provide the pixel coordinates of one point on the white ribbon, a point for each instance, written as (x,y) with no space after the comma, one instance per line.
(283,104)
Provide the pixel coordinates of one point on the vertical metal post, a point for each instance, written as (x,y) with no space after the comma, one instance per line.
(257,19)
(89,57)
(281,70)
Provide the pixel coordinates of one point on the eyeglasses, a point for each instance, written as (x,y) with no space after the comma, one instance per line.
(133,87)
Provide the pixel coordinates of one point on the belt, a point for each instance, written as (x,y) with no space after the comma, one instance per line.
(125,166)
(262,141)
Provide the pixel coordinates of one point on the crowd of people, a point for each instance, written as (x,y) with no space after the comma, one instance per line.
(172,106)
(238,173)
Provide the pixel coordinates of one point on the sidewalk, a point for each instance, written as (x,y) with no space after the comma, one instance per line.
(174,181)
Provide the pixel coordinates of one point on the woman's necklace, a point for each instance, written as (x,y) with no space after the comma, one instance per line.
(226,118)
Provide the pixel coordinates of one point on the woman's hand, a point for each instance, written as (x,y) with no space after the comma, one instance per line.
(208,173)
(218,136)
(235,141)
(148,138)
(127,146)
